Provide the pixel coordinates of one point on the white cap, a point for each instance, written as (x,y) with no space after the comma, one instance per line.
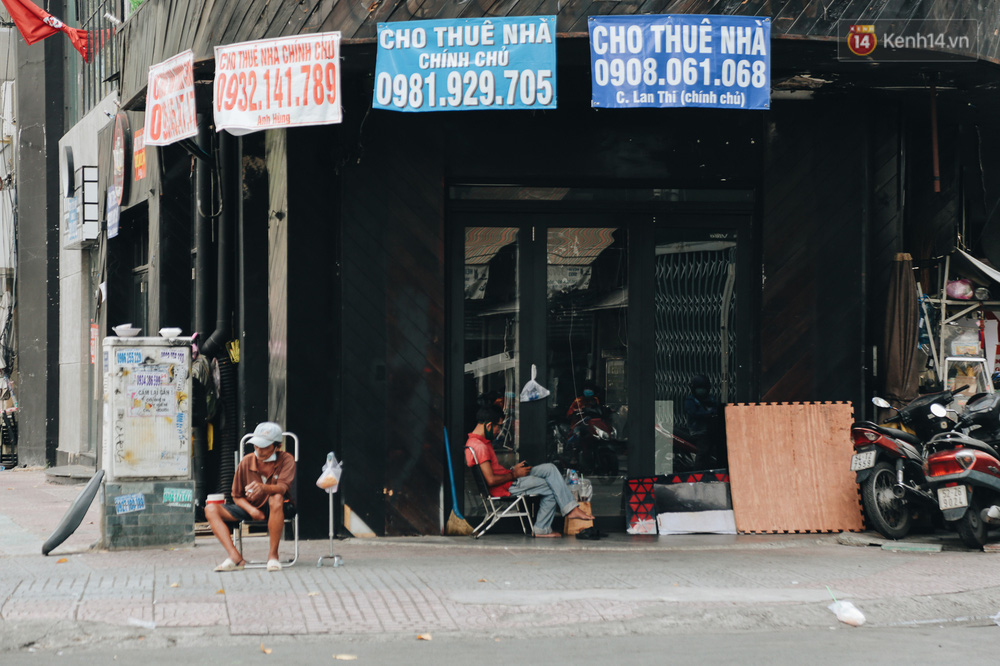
(266,434)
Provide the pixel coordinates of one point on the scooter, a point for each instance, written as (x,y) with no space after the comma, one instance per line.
(964,471)
(588,444)
(888,462)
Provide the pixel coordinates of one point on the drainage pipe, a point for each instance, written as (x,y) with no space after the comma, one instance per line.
(229,177)
(202,229)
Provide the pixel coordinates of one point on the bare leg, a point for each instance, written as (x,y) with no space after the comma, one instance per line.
(548,535)
(579,513)
(216,517)
(275,523)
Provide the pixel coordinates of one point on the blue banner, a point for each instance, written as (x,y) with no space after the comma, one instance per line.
(466,64)
(675,60)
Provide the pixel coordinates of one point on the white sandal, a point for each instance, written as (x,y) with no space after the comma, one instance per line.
(229,565)
(273,565)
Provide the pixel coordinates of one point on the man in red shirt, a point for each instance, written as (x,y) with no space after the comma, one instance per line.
(543,480)
(260,490)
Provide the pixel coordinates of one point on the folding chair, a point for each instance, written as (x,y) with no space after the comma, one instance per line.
(515,506)
(293,521)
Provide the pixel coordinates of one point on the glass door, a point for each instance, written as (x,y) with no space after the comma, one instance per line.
(491,329)
(636,317)
(586,346)
(549,291)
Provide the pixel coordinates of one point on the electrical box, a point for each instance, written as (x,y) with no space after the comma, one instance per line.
(147,408)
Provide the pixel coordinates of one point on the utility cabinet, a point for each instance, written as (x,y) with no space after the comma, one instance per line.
(148,493)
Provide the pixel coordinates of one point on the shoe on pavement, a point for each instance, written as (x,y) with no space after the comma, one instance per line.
(229,565)
(273,565)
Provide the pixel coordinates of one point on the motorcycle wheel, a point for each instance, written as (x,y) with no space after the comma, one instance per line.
(888,514)
(971,528)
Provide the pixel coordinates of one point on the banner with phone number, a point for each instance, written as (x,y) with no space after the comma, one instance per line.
(675,60)
(170,109)
(283,82)
(466,64)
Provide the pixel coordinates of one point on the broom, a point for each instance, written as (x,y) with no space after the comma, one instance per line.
(457,525)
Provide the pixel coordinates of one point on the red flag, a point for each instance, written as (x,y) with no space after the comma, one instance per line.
(35,24)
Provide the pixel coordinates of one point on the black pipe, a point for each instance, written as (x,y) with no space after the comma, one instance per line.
(201,215)
(229,177)
(202,228)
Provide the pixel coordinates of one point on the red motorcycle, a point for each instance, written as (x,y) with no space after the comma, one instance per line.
(587,442)
(965,470)
(888,462)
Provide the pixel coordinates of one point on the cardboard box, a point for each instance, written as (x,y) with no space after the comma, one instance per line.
(574,525)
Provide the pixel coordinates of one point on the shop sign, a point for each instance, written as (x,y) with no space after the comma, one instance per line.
(170,109)
(112,212)
(139,154)
(284,82)
(466,64)
(120,148)
(676,60)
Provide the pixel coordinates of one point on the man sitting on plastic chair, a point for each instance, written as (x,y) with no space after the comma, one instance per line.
(260,490)
(543,481)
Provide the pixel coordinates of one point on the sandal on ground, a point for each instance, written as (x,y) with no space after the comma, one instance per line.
(273,565)
(589,533)
(229,565)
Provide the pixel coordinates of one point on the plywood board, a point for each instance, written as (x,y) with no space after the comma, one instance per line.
(790,467)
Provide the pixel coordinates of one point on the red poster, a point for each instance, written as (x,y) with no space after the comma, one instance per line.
(139,154)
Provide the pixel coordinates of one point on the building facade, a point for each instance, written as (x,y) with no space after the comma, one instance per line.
(380,274)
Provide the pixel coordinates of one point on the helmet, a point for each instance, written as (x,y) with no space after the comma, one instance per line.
(700,381)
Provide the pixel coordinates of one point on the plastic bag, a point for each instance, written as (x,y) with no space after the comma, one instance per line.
(961,289)
(847,613)
(533,390)
(329,480)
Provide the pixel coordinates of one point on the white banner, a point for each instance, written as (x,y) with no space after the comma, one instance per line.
(170,111)
(284,82)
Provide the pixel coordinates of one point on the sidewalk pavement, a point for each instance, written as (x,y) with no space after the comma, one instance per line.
(503,585)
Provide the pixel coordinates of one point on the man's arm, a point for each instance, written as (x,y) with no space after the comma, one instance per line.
(520,469)
(254,512)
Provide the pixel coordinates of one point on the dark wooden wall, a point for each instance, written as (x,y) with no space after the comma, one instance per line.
(313,333)
(392,321)
(815,203)
(887,188)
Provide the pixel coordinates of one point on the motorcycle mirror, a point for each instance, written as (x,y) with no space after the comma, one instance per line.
(881,402)
(938,410)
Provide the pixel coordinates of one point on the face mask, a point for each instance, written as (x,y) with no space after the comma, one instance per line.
(587,393)
(274,456)
(488,432)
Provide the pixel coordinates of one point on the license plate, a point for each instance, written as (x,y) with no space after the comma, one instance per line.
(952,498)
(861,461)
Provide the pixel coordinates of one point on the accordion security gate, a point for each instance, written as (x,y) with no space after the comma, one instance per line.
(694,313)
